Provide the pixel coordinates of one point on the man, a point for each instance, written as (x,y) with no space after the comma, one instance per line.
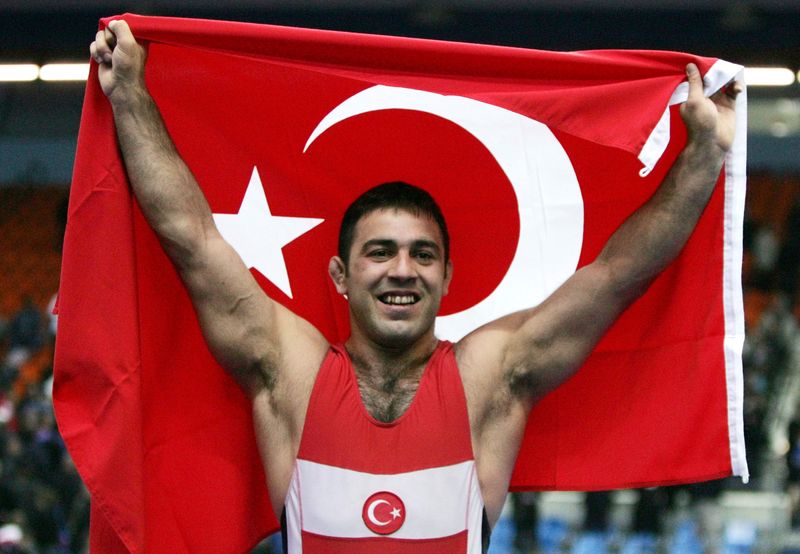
(328,418)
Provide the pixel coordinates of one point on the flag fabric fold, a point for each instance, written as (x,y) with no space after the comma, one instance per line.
(535,157)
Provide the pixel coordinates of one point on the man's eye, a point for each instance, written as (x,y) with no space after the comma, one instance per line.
(425,256)
(378,253)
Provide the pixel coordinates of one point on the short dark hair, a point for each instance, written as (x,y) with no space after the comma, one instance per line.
(394,195)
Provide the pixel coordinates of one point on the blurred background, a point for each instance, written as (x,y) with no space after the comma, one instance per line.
(43,505)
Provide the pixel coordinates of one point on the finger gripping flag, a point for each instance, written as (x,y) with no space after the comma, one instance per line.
(535,157)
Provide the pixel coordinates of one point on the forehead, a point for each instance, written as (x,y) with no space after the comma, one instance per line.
(398,225)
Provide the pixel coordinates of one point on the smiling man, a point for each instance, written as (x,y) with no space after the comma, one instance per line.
(395,441)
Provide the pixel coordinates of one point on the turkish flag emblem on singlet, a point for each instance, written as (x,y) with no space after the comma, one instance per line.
(384,513)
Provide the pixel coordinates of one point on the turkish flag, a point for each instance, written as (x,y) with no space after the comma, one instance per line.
(535,157)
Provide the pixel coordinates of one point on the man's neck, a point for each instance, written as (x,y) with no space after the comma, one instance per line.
(390,360)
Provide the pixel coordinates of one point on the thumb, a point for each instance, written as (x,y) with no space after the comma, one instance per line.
(695,81)
(120,33)
(111,38)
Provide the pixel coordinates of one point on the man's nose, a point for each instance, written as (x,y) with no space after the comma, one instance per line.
(402,267)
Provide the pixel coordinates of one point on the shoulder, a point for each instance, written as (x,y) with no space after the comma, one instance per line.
(280,406)
(480,357)
(482,353)
(487,363)
(288,369)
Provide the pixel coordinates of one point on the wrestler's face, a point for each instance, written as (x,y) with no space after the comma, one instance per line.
(395,278)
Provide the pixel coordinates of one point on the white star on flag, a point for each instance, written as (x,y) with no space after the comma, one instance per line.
(259,237)
(395,513)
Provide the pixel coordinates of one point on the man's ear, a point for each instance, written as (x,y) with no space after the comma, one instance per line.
(448,276)
(338,272)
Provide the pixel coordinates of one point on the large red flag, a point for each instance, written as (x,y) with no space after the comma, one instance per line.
(535,157)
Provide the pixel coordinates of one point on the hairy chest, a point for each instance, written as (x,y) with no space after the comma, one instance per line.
(386,399)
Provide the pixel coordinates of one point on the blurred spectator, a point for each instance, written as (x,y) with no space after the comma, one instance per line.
(598,509)
(526,517)
(765,249)
(44,507)
(24,333)
(25,329)
(648,515)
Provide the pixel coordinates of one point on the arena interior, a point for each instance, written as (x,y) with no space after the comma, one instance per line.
(43,505)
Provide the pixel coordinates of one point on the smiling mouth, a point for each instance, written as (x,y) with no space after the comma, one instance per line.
(399,299)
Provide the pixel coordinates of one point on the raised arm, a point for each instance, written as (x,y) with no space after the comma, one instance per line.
(247,332)
(538,349)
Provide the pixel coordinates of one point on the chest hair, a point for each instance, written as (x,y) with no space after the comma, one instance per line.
(387,392)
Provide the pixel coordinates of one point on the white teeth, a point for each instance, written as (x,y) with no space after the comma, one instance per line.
(397,299)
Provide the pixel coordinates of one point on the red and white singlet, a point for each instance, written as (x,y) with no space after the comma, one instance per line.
(360,485)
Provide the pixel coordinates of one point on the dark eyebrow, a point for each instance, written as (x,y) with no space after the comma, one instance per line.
(427,244)
(385,243)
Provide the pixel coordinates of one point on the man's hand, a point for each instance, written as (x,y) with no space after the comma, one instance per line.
(121,60)
(709,121)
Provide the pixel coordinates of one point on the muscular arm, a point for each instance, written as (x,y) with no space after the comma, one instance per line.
(543,346)
(246,331)
(558,336)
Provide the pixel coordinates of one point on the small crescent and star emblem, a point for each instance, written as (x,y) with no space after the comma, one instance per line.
(384,513)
